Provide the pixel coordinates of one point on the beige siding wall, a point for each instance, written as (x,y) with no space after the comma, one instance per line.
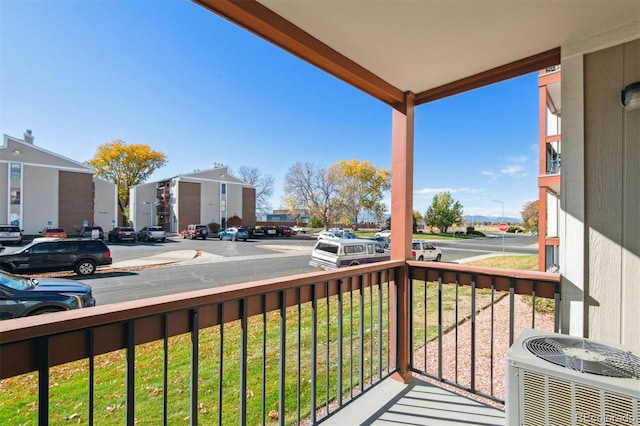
(600,224)
(40,198)
(210,207)
(105,204)
(4,192)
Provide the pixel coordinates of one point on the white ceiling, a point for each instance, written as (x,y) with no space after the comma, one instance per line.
(420,45)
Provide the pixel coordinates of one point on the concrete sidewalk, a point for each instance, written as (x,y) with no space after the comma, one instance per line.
(159,259)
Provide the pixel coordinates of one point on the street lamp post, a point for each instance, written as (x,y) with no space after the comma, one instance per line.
(502,220)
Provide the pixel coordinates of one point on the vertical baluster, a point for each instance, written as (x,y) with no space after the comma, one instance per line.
(283,357)
(43,381)
(195,341)
(314,321)
(165,370)
(533,305)
(512,289)
(264,359)
(474,279)
(440,325)
(328,346)
(340,348)
(457,314)
(361,337)
(380,325)
(299,358)
(131,373)
(92,374)
(493,292)
(244,335)
(221,361)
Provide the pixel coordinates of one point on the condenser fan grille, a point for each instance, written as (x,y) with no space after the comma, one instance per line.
(585,356)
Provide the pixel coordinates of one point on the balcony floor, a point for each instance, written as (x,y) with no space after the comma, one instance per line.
(418,403)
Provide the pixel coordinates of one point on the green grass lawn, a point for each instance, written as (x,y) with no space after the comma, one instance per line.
(69,383)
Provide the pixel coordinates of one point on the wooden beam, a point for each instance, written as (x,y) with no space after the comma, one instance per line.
(272,27)
(495,75)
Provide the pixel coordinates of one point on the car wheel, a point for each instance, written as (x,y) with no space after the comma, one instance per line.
(184,237)
(421,258)
(438,257)
(85,267)
(191,237)
(245,240)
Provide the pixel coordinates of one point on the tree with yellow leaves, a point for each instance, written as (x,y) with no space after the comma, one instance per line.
(362,187)
(125,166)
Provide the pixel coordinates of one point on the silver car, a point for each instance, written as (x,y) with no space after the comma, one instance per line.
(10,234)
(152,233)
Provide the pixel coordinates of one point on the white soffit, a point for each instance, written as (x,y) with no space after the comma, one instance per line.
(419,45)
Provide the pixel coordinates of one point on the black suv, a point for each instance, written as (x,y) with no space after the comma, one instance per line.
(81,256)
(88,232)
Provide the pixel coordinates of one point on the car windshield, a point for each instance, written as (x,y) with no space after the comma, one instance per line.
(16,282)
(156,228)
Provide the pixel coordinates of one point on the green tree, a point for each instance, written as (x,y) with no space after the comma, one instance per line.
(362,187)
(530,215)
(443,212)
(125,166)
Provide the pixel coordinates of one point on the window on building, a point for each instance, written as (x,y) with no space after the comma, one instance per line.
(223,188)
(15,196)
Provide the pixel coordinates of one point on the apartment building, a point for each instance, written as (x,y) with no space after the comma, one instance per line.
(39,188)
(550,168)
(202,197)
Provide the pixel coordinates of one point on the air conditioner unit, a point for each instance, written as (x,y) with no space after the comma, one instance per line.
(555,379)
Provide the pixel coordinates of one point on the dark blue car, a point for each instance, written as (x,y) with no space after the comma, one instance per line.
(21,296)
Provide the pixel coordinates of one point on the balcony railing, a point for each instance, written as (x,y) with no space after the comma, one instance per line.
(292,350)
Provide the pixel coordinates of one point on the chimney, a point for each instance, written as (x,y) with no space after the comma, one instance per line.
(28,137)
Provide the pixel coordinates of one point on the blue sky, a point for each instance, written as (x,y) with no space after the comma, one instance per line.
(184,81)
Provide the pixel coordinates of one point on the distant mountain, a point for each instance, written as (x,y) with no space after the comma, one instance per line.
(491,219)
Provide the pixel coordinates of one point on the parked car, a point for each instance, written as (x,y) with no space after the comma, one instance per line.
(53,233)
(271,231)
(152,233)
(255,231)
(298,230)
(123,233)
(94,232)
(285,231)
(194,231)
(22,296)
(10,234)
(424,250)
(234,234)
(335,234)
(384,234)
(341,252)
(79,255)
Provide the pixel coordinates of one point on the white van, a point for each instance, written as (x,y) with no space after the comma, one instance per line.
(337,253)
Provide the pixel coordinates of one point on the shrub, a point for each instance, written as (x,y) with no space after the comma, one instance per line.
(314,222)
(515,230)
(214,227)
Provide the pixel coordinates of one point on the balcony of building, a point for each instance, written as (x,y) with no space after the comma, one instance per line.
(294,350)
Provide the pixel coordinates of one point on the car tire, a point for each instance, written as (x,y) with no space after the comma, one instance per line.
(421,258)
(438,257)
(184,237)
(191,236)
(85,267)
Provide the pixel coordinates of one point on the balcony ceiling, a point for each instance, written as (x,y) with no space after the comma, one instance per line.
(420,46)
